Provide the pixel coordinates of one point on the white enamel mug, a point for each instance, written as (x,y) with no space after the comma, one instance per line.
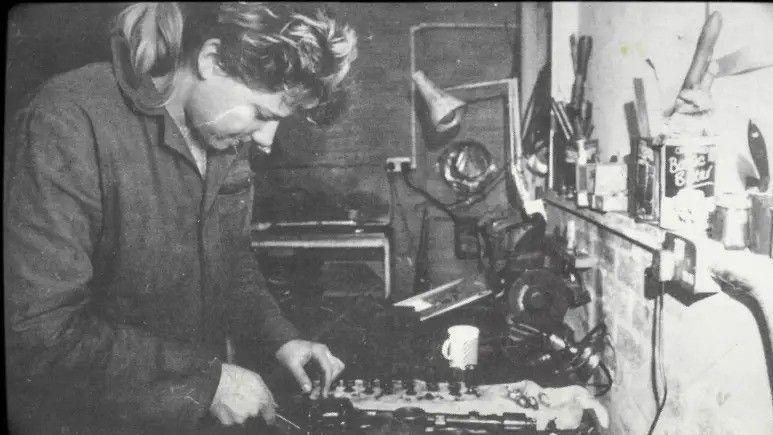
(461,347)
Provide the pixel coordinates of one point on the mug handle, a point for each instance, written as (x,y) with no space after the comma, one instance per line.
(446,349)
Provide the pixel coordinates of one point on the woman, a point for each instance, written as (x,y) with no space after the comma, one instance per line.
(128,264)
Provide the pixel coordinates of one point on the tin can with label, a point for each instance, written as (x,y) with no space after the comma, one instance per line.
(644,180)
(687,174)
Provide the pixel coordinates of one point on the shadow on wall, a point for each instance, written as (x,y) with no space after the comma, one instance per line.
(45,40)
(48,39)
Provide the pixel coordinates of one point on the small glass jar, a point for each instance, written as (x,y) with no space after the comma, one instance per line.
(731,220)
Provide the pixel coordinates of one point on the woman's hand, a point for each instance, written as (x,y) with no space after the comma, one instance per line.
(241,394)
(296,353)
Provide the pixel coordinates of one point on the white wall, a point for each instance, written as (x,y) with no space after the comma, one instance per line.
(626,34)
(714,358)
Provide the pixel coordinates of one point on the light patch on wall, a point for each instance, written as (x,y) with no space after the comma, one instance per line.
(636,47)
(743,97)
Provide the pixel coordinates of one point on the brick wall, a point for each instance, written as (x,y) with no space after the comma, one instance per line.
(712,353)
(712,350)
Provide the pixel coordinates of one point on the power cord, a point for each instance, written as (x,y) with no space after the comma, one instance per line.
(657,359)
(434,201)
(605,387)
(478,197)
(448,208)
(608,341)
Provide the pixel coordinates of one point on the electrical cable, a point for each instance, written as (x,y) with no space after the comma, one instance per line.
(478,197)
(657,359)
(606,386)
(461,203)
(610,344)
(434,201)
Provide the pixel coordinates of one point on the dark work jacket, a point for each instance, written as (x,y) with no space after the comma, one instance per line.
(124,268)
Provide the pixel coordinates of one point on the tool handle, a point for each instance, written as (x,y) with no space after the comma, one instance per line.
(703,51)
(585,49)
(708,77)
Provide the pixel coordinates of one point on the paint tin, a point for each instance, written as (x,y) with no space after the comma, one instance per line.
(687,176)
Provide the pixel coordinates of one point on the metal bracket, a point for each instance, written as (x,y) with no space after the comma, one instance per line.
(674,268)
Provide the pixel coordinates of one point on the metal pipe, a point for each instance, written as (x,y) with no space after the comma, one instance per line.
(480,84)
(515,120)
(458,26)
(421,271)
(414,153)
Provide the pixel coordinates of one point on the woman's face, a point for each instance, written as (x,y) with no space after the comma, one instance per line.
(224,112)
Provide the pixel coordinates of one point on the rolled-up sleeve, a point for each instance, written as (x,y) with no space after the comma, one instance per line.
(53,218)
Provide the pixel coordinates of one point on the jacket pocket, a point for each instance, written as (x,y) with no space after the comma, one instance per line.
(239,178)
(234,203)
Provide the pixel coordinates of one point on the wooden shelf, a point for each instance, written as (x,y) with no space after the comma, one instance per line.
(578,260)
(647,236)
(712,258)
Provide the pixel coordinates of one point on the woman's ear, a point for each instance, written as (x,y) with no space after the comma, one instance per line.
(207,61)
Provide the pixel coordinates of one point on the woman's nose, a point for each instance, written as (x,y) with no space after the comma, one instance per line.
(264,136)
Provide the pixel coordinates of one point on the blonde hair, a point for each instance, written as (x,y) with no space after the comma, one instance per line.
(264,46)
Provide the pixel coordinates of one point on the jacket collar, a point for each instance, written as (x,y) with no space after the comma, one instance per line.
(139,90)
(142,94)
(143,97)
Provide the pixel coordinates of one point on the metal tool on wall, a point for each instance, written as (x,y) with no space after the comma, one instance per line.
(703,51)
(693,96)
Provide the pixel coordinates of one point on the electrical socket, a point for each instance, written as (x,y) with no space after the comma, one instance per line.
(397,164)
